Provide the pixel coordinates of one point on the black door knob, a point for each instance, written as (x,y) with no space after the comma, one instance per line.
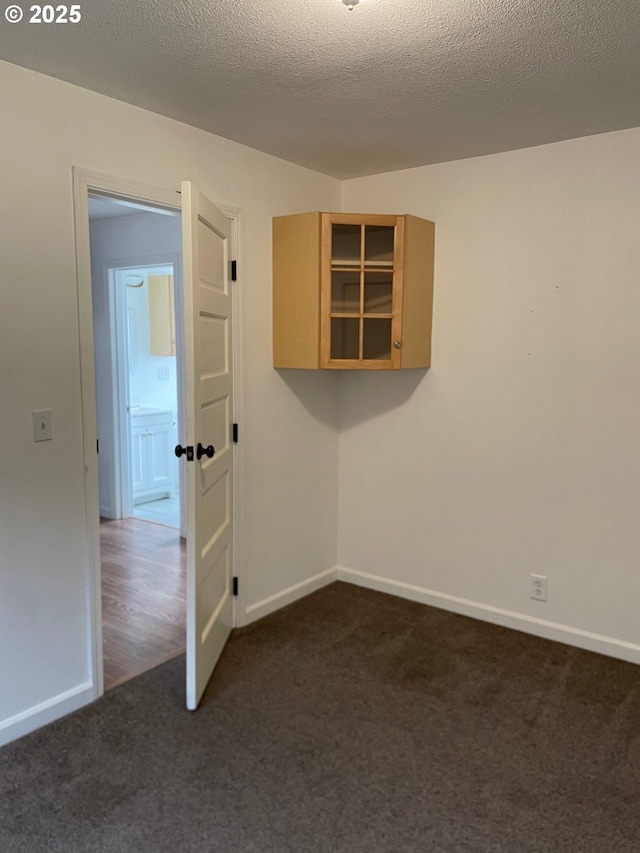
(182,451)
(205,451)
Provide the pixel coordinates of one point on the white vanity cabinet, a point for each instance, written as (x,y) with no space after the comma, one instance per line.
(153,462)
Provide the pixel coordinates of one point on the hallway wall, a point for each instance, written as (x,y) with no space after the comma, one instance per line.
(289,435)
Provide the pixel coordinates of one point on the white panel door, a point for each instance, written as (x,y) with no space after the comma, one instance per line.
(208,392)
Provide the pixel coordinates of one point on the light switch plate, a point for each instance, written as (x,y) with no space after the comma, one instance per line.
(42,425)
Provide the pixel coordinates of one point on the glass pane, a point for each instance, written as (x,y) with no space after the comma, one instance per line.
(345,292)
(345,335)
(378,245)
(345,245)
(377,339)
(378,293)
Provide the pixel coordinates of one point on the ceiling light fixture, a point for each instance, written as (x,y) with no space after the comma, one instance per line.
(350,4)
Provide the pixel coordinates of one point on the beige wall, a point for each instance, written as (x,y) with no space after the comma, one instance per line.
(519,450)
(290,429)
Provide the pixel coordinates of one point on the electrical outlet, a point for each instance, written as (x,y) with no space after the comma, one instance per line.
(538,587)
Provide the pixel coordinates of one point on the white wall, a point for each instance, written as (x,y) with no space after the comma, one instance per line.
(519,450)
(117,240)
(290,428)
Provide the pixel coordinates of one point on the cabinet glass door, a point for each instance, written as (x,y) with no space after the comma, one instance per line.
(376,339)
(378,246)
(346,245)
(360,283)
(345,292)
(345,338)
(378,292)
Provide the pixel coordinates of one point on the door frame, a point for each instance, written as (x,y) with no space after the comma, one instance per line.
(85,182)
(121,469)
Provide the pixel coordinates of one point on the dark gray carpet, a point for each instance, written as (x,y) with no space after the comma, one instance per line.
(350,721)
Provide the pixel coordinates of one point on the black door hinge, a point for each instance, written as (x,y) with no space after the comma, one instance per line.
(235,433)
(97,445)
(235,586)
(234,270)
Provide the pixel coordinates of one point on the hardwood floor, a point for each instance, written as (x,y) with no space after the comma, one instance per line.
(143,597)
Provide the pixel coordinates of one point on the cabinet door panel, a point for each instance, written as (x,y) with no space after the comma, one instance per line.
(153,462)
(345,292)
(378,293)
(138,447)
(346,244)
(352,297)
(379,245)
(160,456)
(162,331)
(345,338)
(376,338)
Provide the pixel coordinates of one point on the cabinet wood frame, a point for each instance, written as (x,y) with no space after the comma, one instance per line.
(302,297)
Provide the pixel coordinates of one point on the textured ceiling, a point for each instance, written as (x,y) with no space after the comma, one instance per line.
(389,85)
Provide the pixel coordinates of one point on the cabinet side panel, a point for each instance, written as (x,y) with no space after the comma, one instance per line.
(296,290)
(161,334)
(417,303)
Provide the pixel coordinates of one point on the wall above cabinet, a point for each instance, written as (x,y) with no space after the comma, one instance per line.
(352,291)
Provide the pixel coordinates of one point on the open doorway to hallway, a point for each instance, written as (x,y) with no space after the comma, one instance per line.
(136,268)
(147,391)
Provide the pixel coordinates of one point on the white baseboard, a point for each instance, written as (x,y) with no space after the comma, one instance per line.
(496,615)
(289,595)
(33,718)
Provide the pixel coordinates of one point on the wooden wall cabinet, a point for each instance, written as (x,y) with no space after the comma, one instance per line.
(162,324)
(352,292)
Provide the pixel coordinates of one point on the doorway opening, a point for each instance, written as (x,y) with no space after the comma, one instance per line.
(146,376)
(208,320)
(135,275)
